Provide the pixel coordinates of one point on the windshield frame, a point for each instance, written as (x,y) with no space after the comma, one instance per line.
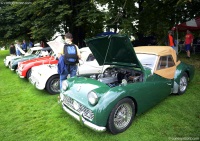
(147,60)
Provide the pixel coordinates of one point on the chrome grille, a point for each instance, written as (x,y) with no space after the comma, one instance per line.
(78,108)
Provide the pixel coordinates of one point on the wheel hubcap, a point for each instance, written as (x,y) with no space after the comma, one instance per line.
(122,116)
(55,85)
(183,84)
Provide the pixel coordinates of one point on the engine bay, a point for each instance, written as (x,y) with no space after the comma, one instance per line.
(116,76)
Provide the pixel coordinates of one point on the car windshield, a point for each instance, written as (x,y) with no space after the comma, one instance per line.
(29,51)
(147,60)
(37,52)
(34,51)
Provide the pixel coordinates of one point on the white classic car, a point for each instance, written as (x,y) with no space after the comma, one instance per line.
(47,77)
(32,50)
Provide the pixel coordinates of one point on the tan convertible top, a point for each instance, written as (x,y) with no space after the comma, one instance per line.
(161,51)
(157,50)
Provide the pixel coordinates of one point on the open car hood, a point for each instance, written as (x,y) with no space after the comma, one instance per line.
(113,50)
(56,46)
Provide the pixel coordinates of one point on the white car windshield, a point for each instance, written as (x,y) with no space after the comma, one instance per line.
(29,51)
(147,60)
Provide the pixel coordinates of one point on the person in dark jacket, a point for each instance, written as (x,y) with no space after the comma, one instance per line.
(12,49)
(24,46)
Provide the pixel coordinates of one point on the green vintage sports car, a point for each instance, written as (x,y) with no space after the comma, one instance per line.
(137,80)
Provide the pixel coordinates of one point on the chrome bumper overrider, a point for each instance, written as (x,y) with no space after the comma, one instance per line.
(81,119)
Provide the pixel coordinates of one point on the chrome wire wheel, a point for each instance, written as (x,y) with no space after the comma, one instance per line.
(122,116)
(183,83)
(55,85)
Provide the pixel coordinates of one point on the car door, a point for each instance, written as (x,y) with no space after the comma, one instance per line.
(159,84)
(162,78)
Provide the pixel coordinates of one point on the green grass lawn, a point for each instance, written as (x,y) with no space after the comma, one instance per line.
(28,114)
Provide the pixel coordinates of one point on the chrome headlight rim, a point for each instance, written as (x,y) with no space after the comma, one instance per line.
(92,98)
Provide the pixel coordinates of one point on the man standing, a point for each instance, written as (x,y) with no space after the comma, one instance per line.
(68,59)
(170,39)
(17,47)
(188,42)
(30,45)
(24,46)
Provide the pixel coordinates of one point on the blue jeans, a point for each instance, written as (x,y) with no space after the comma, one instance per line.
(18,52)
(69,69)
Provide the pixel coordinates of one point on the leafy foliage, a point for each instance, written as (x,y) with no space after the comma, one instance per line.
(160,16)
(41,19)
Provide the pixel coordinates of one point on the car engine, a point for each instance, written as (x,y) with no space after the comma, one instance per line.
(115,76)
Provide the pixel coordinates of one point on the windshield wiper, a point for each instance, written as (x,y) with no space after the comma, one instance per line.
(147,65)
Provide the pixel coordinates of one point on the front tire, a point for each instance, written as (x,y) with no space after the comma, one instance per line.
(183,84)
(53,84)
(121,116)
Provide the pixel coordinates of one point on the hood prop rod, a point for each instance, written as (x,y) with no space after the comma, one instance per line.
(109,37)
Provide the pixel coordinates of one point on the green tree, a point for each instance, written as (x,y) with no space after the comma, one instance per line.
(119,15)
(40,19)
(160,16)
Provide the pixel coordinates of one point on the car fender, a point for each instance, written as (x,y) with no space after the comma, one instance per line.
(26,68)
(107,102)
(48,76)
(182,68)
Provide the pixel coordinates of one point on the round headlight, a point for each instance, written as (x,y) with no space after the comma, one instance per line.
(92,98)
(64,85)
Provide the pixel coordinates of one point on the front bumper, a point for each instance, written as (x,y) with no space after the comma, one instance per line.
(83,121)
(5,62)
